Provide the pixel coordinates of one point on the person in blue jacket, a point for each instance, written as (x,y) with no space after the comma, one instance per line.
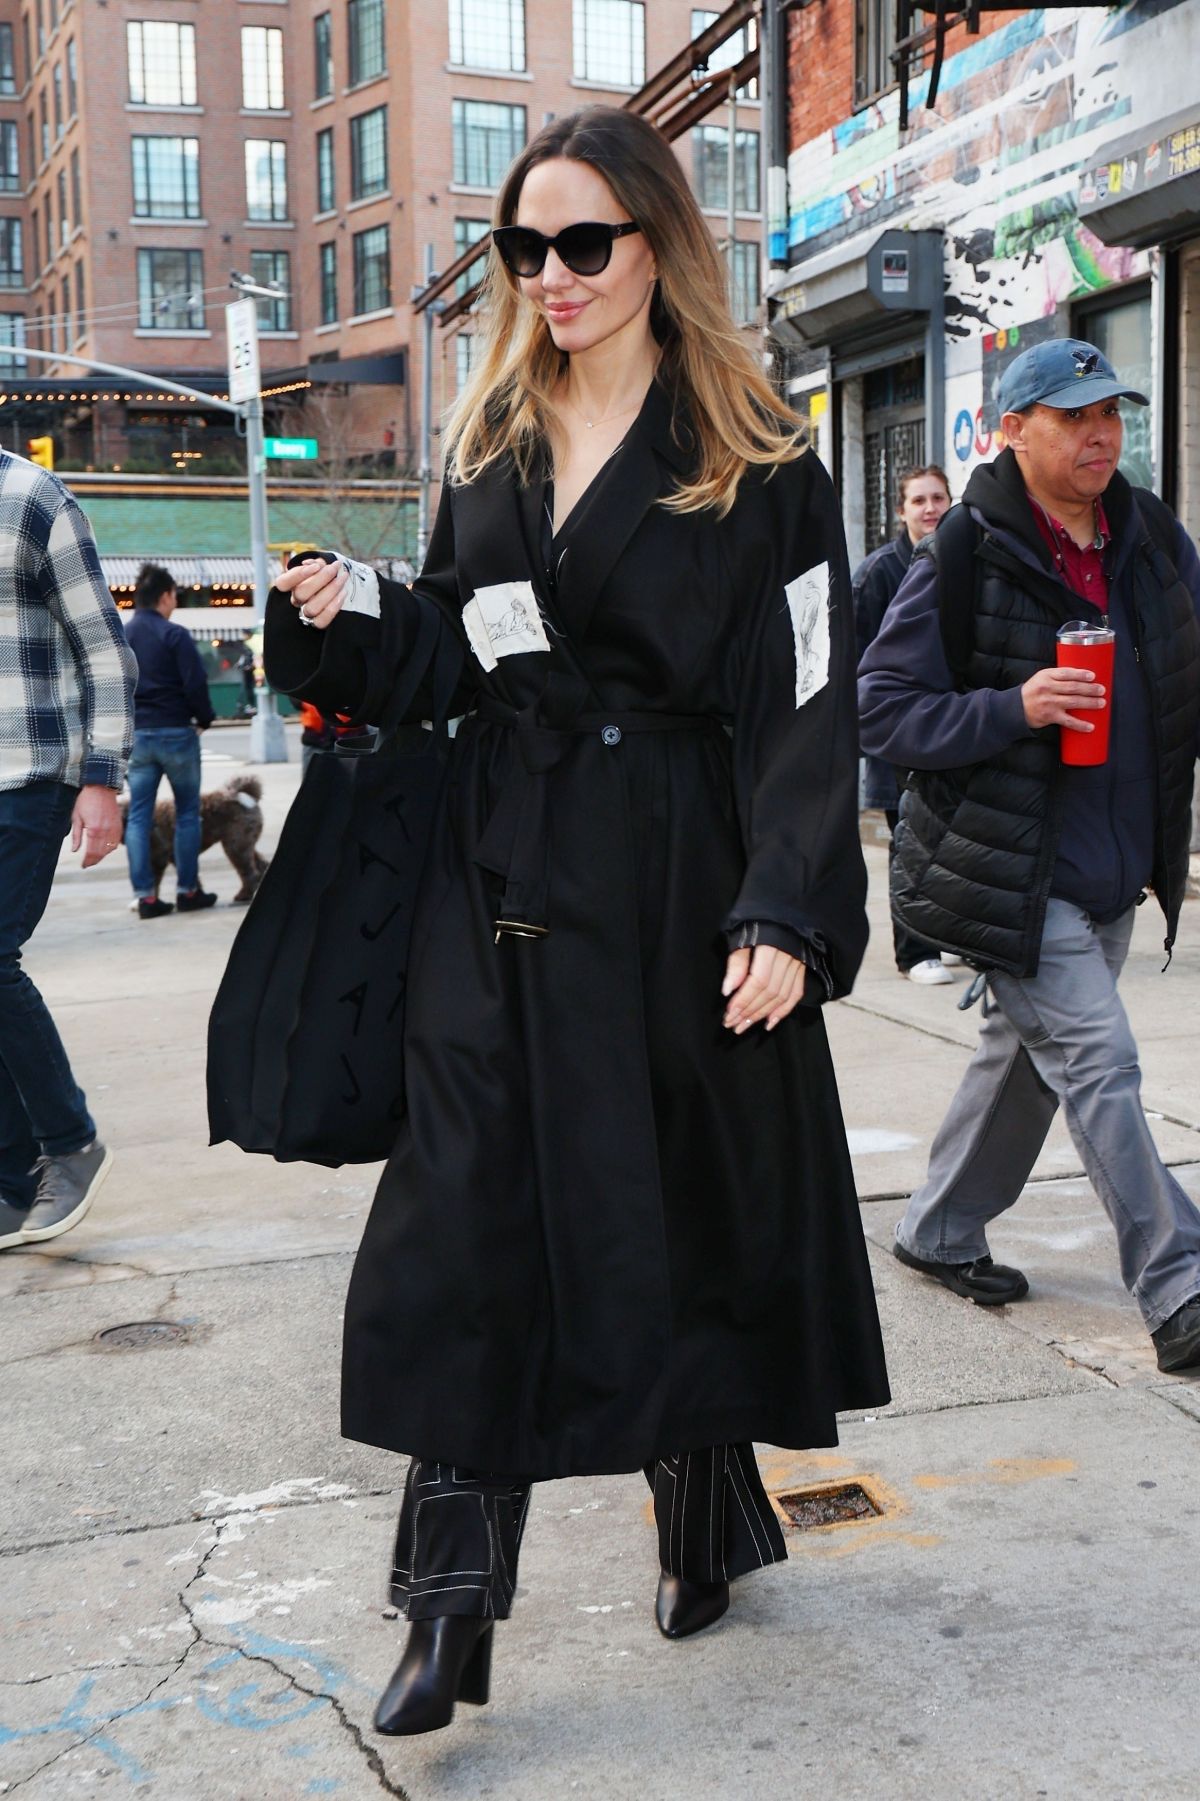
(1030,869)
(171,708)
(922,499)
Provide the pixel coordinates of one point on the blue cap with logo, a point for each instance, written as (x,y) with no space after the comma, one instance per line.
(1065,372)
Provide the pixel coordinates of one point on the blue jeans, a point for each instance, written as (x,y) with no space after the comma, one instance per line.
(1060,1038)
(174,752)
(42,1110)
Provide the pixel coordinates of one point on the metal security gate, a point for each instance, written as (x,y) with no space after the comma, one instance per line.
(893,440)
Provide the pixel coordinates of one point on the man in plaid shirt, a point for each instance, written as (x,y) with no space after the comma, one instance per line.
(66,727)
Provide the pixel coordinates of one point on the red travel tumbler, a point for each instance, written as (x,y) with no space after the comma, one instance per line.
(1085,646)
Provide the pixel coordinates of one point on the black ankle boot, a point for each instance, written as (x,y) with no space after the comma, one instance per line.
(686,1607)
(445,1660)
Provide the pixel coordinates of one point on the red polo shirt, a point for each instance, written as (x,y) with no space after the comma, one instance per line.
(1081,568)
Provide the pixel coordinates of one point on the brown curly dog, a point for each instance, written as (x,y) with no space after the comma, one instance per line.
(229,816)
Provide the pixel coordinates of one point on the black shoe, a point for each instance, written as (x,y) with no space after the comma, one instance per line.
(154,909)
(195,902)
(986,1283)
(1177,1340)
(445,1660)
(686,1607)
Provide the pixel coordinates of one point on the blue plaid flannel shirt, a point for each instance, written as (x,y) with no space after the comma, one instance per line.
(67,674)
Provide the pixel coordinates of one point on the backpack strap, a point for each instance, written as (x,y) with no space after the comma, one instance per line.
(1158,520)
(952,547)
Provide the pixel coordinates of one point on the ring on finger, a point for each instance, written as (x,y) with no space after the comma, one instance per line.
(304,618)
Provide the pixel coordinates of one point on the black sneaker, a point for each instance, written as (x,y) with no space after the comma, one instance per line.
(66,1188)
(195,902)
(154,908)
(1177,1340)
(12,1224)
(986,1283)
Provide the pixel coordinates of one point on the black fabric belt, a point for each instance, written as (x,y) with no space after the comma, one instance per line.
(516,839)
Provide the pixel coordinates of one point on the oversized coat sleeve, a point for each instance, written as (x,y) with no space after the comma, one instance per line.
(795,729)
(351,668)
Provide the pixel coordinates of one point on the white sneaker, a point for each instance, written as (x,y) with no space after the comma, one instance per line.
(950,961)
(929,974)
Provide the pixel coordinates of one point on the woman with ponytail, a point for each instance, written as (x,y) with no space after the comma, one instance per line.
(618,1230)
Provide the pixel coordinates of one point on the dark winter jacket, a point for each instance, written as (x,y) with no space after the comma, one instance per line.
(993,824)
(172,688)
(874,586)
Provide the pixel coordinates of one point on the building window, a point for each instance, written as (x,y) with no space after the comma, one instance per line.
(10,157)
(466,233)
(488,34)
(8,69)
(64,224)
(266,178)
(372,270)
(710,168)
(874,41)
(49,230)
(729,54)
(66,311)
(487,136)
(364,23)
(41,27)
(33,245)
(76,191)
(323,55)
(59,127)
(464,358)
(80,309)
(326,191)
(170,290)
(1121,326)
(25,45)
(329,297)
(12,334)
(368,154)
(610,42)
(272,269)
(72,80)
(44,125)
(328,283)
(744,283)
(262,68)
(162,63)
(12,265)
(166,178)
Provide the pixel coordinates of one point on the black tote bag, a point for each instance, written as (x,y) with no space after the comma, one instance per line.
(305,1037)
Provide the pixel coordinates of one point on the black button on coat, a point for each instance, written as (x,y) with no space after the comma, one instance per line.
(610,1228)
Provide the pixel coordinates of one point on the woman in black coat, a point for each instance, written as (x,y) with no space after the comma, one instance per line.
(619,1227)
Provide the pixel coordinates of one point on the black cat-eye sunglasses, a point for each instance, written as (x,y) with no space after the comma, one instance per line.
(583,249)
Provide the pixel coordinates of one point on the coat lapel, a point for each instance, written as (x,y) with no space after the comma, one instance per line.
(657,451)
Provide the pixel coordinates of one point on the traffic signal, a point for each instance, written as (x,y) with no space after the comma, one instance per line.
(41,450)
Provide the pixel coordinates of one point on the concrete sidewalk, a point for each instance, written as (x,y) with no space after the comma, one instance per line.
(193,1563)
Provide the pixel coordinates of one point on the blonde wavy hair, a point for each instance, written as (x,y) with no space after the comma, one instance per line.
(735,418)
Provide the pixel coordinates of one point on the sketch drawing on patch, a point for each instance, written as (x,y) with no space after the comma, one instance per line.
(808,603)
(503,621)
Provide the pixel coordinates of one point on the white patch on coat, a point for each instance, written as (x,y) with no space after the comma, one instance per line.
(808,603)
(503,621)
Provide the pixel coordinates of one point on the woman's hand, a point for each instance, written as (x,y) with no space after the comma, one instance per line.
(317,588)
(764,983)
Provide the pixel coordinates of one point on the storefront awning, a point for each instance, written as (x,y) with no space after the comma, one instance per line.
(871,279)
(189,572)
(1144,188)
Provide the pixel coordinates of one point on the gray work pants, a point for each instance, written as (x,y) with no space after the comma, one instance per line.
(1060,1038)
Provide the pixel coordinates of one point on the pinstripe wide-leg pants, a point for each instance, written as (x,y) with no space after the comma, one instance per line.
(460,1531)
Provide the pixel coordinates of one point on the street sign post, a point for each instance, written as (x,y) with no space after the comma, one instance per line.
(298,450)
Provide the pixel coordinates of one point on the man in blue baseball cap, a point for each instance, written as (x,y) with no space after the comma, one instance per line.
(1029,868)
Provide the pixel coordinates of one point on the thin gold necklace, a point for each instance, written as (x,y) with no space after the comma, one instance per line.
(591,423)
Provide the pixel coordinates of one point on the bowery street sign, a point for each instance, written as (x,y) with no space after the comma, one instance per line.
(300,450)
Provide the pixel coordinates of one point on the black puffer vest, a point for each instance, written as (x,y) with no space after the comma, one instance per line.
(975,847)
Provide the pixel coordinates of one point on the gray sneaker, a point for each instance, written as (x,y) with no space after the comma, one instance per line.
(12,1224)
(65,1190)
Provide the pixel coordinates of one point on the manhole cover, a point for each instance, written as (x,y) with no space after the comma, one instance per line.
(833,1504)
(140,1335)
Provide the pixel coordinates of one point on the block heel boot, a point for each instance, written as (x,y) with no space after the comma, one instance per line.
(445,1660)
(682,1607)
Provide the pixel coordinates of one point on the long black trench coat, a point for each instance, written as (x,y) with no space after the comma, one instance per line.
(610,1229)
